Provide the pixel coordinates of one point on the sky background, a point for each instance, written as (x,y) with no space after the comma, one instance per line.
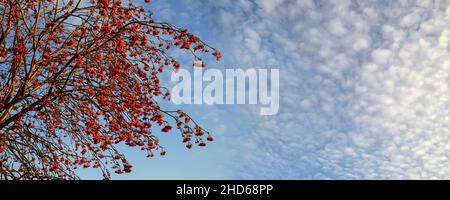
(364,91)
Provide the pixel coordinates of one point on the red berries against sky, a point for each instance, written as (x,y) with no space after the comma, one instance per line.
(218,55)
(167,128)
(72,88)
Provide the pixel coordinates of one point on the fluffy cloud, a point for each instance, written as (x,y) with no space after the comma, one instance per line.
(364,87)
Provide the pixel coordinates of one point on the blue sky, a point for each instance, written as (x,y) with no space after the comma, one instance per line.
(364,91)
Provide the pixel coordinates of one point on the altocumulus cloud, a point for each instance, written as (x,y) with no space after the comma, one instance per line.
(364,86)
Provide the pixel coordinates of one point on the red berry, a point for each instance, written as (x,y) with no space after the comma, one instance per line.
(166,129)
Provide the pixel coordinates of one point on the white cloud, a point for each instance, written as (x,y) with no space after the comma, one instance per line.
(364,87)
(381,56)
(252,40)
(337,28)
(268,6)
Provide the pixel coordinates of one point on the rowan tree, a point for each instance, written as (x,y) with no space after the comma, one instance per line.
(79,78)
